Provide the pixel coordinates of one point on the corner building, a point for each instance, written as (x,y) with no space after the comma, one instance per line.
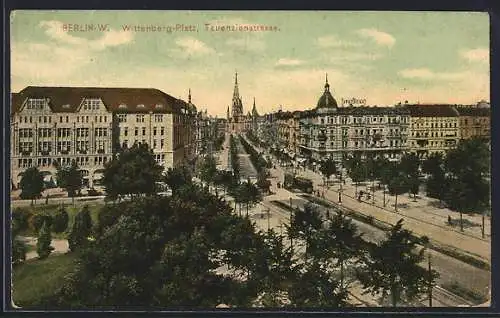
(89,125)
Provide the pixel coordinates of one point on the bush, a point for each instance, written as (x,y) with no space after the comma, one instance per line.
(37,220)
(21,219)
(43,247)
(18,252)
(60,220)
(81,229)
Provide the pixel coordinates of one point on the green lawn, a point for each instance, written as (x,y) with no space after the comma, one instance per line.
(37,278)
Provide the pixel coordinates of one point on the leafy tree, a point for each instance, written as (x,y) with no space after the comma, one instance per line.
(466,168)
(43,247)
(176,178)
(315,287)
(304,224)
(343,242)
(435,183)
(60,220)
(398,185)
(81,229)
(134,172)
(208,170)
(328,168)
(21,219)
(263,183)
(393,267)
(409,166)
(31,184)
(70,179)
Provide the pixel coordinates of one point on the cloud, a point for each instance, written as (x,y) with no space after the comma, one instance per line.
(381,38)
(39,62)
(247,44)
(55,30)
(354,56)
(427,74)
(481,55)
(289,62)
(191,46)
(330,41)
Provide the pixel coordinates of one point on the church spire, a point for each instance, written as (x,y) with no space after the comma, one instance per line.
(327,86)
(189,96)
(236,93)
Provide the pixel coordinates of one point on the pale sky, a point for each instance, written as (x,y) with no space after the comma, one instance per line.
(383,57)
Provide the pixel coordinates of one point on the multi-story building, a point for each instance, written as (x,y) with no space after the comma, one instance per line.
(434,128)
(332,131)
(474,121)
(88,125)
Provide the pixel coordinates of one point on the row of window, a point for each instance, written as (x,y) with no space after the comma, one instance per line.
(362,144)
(445,125)
(156,142)
(363,120)
(62,119)
(62,146)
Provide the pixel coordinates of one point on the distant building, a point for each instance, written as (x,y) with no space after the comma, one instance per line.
(237,121)
(335,132)
(90,125)
(434,128)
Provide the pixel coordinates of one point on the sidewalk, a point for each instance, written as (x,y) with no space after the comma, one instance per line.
(419,222)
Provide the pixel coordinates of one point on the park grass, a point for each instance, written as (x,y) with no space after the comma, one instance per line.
(36,278)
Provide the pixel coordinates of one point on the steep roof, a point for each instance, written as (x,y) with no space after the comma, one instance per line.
(68,99)
(432,110)
(474,111)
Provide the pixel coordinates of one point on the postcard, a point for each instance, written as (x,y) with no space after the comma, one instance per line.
(202,160)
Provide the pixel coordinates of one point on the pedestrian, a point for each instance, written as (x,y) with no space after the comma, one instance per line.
(47,198)
(449,220)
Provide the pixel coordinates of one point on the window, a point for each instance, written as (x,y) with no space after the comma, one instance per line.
(154,143)
(139,118)
(67,119)
(154,131)
(144,131)
(122,118)
(162,131)
(158,118)
(162,141)
(125,132)
(136,132)
(35,103)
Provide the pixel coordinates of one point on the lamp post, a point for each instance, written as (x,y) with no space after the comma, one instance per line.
(430,280)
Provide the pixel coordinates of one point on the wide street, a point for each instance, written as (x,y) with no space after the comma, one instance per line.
(427,223)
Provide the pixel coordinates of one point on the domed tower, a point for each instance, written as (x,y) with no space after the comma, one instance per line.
(326,101)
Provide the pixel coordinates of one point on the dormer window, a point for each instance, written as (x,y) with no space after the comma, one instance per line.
(158,106)
(141,106)
(35,103)
(91,103)
(66,106)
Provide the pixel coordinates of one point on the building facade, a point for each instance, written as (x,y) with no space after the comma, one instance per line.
(335,132)
(89,125)
(434,128)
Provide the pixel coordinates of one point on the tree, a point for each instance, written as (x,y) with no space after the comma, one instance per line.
(60,220)
(409,166)
(393,267)
(81,230)
(134,172)
(31,184)
(70,179)
(343,242)
(208,170)
(262,182)
(398,185)
(433,166)
(176,178)
(328,168)
(43,247)
(304,224)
